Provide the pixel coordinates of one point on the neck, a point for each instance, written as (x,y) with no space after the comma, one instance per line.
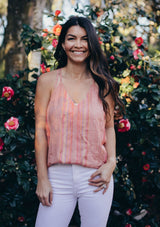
(76,72)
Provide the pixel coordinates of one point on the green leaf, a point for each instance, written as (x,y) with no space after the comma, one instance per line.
(22,139)
(2,131)
(156,98)
(10,162)
(12,133)
(13,147)
(19,180)
(12,203)
(158,106)
(26,186)
(157,180)
(7,140)
(19,83)
(46,45)
(155,141)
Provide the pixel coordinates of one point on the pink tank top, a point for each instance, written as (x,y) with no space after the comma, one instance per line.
(75,131)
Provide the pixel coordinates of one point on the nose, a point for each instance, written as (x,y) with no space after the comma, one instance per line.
(78,43)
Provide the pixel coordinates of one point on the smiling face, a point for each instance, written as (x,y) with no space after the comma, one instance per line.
(76,44)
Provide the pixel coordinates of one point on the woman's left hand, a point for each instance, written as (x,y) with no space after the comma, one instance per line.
(104,174)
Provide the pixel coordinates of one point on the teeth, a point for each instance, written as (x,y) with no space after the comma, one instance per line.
(78,52)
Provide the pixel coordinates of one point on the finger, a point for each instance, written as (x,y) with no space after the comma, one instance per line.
(46,201)
(43,202)
(98,180)
(51,197)
(94,174)
(105,189)
(96,184)
(40,199)
(98,189)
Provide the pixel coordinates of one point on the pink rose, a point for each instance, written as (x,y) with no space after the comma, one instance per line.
(136,53)
(131,149)
(128,225)
(139,41)
(12,123)
(1,144)
(124,125)
(132,67)
(21,219)
(129,212)
(43,67)
(7,93)
(54,43)
(139,67)
(16,75)
(146,167)
(112,57)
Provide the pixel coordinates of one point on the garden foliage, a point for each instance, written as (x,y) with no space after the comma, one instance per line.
(137,176)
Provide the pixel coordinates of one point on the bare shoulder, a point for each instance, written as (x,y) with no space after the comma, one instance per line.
(48,80)
(45,85)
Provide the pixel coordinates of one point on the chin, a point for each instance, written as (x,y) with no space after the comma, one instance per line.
(78,60)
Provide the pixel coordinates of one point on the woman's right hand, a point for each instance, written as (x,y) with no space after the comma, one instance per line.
(44,192)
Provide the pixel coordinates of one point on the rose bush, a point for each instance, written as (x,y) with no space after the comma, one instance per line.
(17,161)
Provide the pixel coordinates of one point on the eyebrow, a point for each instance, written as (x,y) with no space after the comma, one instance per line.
(85,36)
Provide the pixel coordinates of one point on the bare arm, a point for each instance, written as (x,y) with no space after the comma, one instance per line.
(43,191)
(106,170)
(110,135)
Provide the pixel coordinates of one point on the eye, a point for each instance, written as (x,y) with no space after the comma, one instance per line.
(70,38)
(86,39)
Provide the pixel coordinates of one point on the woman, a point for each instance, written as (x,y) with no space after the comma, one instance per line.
(75,138)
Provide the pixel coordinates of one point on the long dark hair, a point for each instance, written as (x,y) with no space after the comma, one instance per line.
(97,62)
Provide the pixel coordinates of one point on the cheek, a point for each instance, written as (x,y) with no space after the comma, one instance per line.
(85,44)
(67,46)
(68,43)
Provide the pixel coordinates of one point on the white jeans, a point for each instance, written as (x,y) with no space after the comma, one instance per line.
(70,184)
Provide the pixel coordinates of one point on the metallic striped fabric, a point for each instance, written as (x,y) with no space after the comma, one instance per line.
(75,131)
